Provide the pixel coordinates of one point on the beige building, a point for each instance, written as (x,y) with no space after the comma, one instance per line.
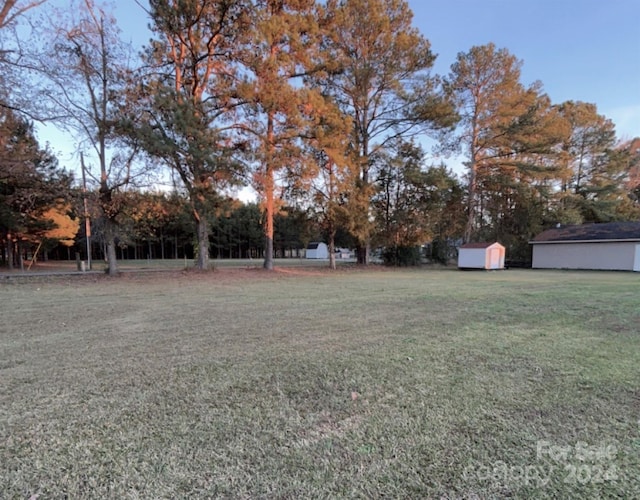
(613,246)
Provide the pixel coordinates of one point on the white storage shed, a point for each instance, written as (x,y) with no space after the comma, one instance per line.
(481,256)
(317,250)
(613,246)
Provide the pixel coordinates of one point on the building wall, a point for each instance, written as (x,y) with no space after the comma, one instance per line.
(606,256)
(472,258)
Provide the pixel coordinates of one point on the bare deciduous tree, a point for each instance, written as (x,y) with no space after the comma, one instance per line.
(82,73)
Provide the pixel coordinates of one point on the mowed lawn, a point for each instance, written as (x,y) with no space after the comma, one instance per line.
(304,383)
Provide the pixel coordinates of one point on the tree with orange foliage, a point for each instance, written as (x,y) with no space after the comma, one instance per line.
(280,110)
(65,225)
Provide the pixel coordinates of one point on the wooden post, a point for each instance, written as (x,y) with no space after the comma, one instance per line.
(87,220)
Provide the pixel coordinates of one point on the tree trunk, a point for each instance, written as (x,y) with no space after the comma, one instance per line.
(20,256)
(268,229)
(471,215)
(473,183)
(362,254)
(269,197)
(10,255)
(202,262)
(362,250)
(112,259)
(268,253)
(332,250)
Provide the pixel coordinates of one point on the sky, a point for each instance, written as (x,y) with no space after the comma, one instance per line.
(581,50)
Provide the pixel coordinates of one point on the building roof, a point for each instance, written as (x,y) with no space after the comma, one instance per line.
(480,245)
(609,231)
(313,245)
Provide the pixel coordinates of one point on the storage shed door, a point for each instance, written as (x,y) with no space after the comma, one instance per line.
(636,260)
(494,258)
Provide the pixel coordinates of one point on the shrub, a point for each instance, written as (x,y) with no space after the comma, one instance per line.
(402,256)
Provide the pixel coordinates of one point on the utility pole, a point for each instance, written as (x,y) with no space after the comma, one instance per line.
(87,220)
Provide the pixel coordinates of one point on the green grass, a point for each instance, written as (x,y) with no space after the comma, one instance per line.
(305,383)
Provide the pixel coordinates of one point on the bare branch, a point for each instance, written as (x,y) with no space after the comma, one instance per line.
(6,14)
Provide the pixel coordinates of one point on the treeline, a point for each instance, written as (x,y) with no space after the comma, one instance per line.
(158,226)
(320,107)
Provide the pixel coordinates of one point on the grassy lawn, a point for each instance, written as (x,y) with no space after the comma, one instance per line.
(308,384)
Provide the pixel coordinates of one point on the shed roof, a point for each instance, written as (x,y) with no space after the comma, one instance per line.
(607,231)
(314,245)
(480,245)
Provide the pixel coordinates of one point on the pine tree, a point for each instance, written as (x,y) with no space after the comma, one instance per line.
(188,100)
(380,78)
(281,110)
(509,135)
